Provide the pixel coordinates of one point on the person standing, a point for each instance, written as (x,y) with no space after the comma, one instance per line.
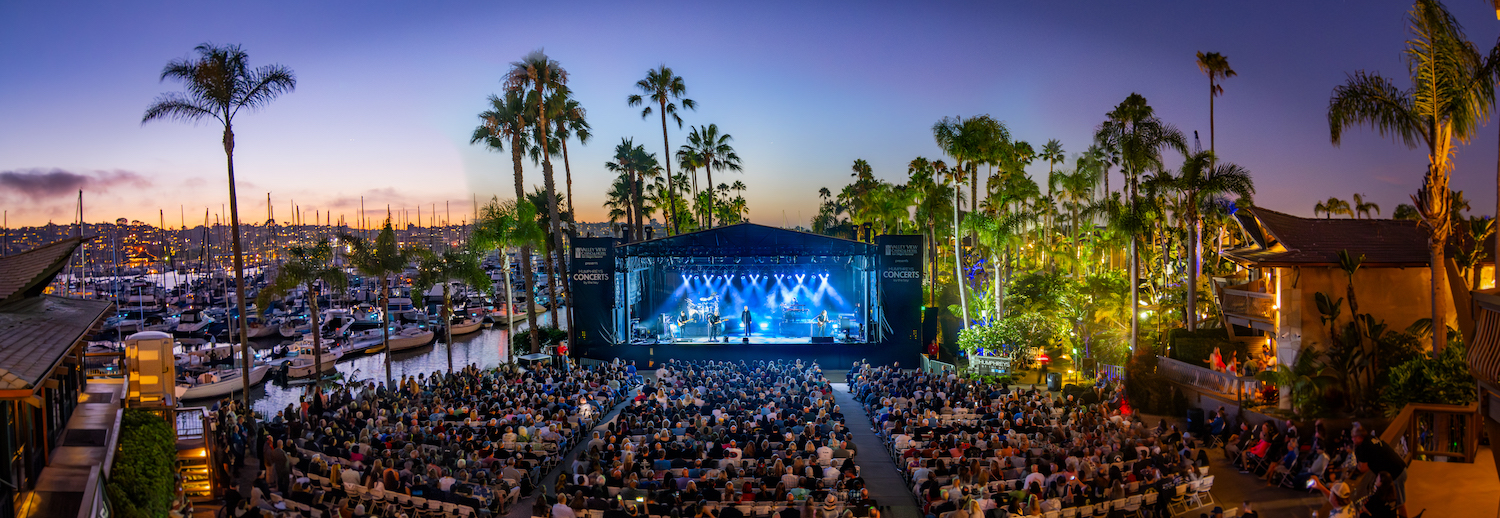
(748,320)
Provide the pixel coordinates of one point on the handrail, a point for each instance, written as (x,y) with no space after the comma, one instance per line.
(1425,431)
(114,443)
(1207,379)
(1252,294)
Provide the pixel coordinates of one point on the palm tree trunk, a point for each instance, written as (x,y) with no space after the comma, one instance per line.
(1439,289)
(666,158)
(958,267)
(709,171)
(448,326)
(640,205)
(317,332)
(385,328)
(997,286)
(1192,288)
(510,307)
(555,238)
(551,280)
(247,357)
(1135,298)
(525,255)
(568,173)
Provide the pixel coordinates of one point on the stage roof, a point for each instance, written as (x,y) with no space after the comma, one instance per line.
(746,240)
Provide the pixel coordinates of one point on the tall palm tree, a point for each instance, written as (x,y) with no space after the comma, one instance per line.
(1077,190)
(1362,207)
(1451,93)
(662,86)
(381,259)
(505,225)
(545,77)
(1134,132)
(461,265)
(1332,206)
(688,160)
(996,233)
(714,154)
(218,84)
(1200,181)
(308,267)
(508,120)
(1052,153)
(1216,67)
(572,122)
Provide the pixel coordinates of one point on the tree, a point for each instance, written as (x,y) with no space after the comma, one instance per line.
(307,267)
(1216,67)
(1201,180)
(383,260)
(572,122)
(546,78)
(1134,133)
(714,153)
(661,86)
(1406,211)
(457,264)
(511,224)
(1450,96)
(1362,207)
(508,120)
(218,84)
(1332,206)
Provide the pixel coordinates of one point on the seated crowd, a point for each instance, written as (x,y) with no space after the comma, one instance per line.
(720,439)
(466,443)
(1355,470)
(982,449)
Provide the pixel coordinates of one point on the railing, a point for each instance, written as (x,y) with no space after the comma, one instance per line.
(1435,432)
(192,424)
(1207,379)
(1252,304)
(1114,373)
(104,365)
(931,365)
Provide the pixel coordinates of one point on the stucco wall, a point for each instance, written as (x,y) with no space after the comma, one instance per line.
(1398,296)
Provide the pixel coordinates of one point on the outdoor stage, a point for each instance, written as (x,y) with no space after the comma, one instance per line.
(799,295)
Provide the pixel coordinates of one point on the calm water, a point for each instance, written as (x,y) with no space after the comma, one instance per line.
(485,348)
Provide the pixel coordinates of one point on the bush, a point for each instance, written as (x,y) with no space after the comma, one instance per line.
(1442,380)
(550,335)
(1148,391)
(141,482)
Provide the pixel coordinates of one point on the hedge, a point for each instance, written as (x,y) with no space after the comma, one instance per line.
(141,482)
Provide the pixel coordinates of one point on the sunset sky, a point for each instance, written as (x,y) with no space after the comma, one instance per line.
(388,93)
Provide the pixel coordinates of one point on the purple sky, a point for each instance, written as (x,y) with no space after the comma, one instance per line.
(388,91)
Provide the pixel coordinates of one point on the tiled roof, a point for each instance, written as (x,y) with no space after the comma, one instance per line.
(36,332)
(1383,242)
(26,274)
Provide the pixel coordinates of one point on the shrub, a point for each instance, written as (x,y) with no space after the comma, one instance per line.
(1442,380)
(141,482)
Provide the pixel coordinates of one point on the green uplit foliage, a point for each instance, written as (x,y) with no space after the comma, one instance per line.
(141,482)
(1444,380)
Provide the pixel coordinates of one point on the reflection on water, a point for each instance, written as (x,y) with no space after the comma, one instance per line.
(485,349)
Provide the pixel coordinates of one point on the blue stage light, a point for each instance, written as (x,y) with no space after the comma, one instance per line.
(800,276)
(764,326)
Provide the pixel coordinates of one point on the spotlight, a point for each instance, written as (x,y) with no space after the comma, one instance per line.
(801,276)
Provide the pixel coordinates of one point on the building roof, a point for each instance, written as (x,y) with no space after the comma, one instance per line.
(747,240)
(28,273)
(1282,239)
(36,332)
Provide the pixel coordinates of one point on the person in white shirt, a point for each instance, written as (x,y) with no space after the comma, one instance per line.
(1035,476)
(825,453)
(561,509)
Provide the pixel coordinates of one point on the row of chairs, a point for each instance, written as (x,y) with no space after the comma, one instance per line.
(390,503)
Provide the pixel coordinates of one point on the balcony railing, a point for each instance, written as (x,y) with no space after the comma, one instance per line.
(1429,431)
(1250,304)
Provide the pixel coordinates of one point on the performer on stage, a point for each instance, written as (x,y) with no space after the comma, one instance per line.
(822,322)
(746,320)
(713,325)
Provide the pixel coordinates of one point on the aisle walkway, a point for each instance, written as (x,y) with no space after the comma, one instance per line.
(880,473)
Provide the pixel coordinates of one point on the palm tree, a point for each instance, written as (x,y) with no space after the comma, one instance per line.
(508,120)
(1362,207)
(1450,96)
(217,85)
(384,260)
(503,225)
(545,77)
(996,233)
(1200,181)
(1134,132)
(1216,67)
(1077,190)
(661,85)
(458,264)
(1332,206)
(1052,153)
(572,122)
(714,153)
(308,267)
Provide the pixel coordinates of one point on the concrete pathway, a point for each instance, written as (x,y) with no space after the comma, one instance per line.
(880,472)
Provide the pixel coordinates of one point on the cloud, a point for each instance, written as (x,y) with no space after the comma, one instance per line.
(39,184)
